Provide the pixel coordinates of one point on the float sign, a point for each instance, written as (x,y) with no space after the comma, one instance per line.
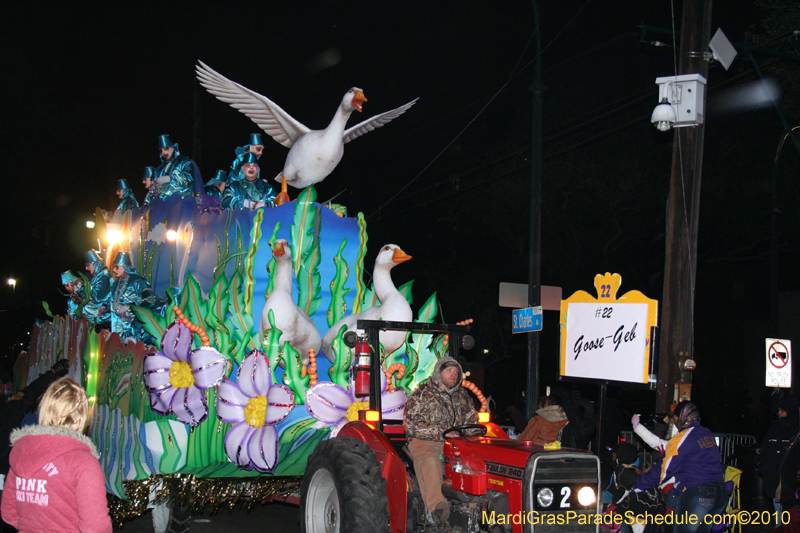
(779,363)
(526,320)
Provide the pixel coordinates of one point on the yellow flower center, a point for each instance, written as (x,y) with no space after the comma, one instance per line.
(255,412)
(352,411)
(180,375)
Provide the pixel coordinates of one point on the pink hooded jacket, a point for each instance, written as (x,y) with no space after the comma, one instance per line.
(55,483)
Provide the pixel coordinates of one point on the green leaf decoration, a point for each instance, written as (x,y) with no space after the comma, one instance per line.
(405,290)
(338,306)
(216,318)
(272,343)
(152,323)
(271,263)
(422,346)
(241,319)
(193,305)
(292,372)
(308,279)
(239,247)
(362,252)
(303,226)
(47,309)
(255,236)
(219,270)
(294,448)
(340,369)
(155,251)
(407,381)
(169,312)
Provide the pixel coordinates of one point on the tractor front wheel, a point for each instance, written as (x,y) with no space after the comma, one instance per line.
(342,490)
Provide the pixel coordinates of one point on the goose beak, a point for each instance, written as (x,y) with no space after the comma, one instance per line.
(358,100)
(400,256)
(278,250)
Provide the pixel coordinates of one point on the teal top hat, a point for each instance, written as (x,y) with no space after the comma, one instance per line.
(122,184)
(255,138)
(67,277)
(91,256)
(123,258)
(165,142)
(220,177)
(250,157)
(149,172)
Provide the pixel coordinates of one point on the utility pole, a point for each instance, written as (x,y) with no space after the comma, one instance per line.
(535,246)
(680,268)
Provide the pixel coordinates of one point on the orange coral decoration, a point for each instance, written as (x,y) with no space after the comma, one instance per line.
(400,368)
(197,329)
(311,369)
(481,398)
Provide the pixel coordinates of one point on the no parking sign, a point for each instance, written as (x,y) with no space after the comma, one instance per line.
(779,363)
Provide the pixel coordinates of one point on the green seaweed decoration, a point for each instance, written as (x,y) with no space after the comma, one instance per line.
(292,372)
(418,349)
(340,368)
(242,321)
(306,254)
(338,306)
(272,343)
(302,226)
(152,323)
(250,259)
(371,297)
(362,252)
(193,306)
(295,444)
(216,316)
(271,263)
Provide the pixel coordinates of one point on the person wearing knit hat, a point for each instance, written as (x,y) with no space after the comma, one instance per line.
(125,193)
(693,461)
(250,192)
(97,309)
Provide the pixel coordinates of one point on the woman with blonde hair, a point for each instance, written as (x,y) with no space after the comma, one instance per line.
(56,482)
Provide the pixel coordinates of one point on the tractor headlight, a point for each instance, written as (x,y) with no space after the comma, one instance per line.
(544,497)
(586,496)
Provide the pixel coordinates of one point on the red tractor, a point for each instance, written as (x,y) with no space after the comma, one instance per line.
(363,479)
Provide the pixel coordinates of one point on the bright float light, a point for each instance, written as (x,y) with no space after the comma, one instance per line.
(90,224)
(12,282)
(172,234)
(92,399)
(91,354)
(114,236)
(88,376)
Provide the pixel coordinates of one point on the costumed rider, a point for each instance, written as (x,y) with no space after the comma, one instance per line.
(433,408)
(76,298)
(214,189)
(177,174)
(255,145)
(149,182)
(97,309)
(125,194)
(129,289)
(251,192)
(692,458)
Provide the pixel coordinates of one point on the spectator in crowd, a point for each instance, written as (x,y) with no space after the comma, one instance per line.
(55,482)
(692,458)
(776,443)
(626,501)
(13,410)
(546,426)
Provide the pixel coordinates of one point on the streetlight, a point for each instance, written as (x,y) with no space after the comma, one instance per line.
(13,283)
(90,224)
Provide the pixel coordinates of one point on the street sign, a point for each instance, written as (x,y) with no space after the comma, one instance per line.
(516,295)
(779,363)
(526,320)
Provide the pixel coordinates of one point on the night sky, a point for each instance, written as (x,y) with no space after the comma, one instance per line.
(89,87)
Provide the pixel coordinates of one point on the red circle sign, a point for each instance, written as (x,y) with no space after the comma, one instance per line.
(778,354)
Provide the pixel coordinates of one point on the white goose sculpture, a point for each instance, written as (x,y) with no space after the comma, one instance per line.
(298,329)
(313,154)
(394,306)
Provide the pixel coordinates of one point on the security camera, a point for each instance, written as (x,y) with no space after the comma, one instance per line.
(663,116)
(681,101)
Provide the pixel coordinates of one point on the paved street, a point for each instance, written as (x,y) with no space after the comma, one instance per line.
(281,518)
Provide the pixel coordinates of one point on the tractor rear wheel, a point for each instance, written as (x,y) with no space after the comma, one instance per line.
(343,490)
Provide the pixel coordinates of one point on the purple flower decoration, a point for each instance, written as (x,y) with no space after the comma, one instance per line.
(254,405)
(177,377)
(335,406)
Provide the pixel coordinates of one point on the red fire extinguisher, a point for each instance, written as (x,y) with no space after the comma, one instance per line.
(363,355)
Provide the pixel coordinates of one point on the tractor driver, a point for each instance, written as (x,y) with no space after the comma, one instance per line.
(433,408)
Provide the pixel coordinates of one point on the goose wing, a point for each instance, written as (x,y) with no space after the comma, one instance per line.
(376,122)
(269,116)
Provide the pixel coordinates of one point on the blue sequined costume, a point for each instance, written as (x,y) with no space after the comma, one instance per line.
(100,294)
(131,290)
(255,191)
(128,201)
(180,170)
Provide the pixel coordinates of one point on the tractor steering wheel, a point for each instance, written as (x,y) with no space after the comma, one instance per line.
(460,429)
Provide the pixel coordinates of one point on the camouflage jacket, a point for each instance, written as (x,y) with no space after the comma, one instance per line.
(433,408)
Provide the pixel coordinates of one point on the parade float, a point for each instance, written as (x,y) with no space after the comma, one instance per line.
(248,370)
